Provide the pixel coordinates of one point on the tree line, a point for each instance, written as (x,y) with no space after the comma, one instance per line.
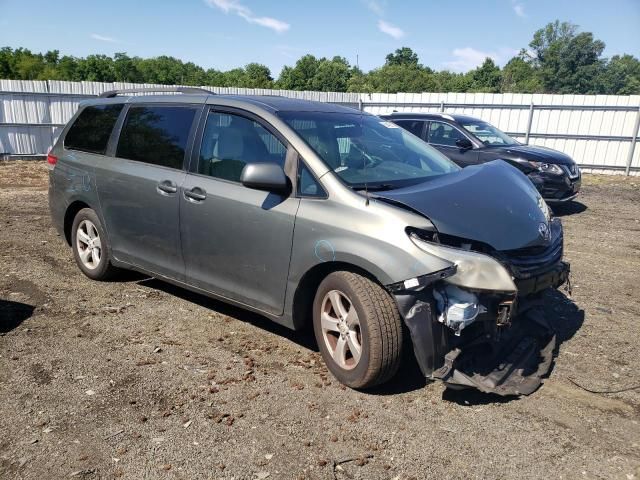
(560,59)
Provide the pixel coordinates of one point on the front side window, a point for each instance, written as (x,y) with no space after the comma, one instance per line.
(366,150)
(92,129)
(156,135)
(231,141)
(441,133)
(414,126)
(488,134)
(308,186)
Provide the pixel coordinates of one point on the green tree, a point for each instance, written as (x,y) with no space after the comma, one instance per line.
(125,68)
(568,62)
(447,81)
(96,68)
(7,62)
(257,75)
(621,76)
(486,78)
(402,56)
(520,76)
(300,76)
(311,73)
(401,78)
(67,69)
(28,66)
(332,75)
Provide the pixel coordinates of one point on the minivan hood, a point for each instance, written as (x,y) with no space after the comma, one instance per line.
(535,154)
(493,203)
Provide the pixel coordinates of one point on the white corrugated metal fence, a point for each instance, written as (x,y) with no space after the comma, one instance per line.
(598,131)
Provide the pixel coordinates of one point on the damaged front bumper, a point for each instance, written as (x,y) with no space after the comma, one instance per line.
(505,349)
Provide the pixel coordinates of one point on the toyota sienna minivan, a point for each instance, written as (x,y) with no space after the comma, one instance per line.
(317,215)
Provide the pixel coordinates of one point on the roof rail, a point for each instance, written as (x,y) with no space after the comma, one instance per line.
(124,91)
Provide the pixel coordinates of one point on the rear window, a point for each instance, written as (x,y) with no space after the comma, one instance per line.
(92,129)
(156,135)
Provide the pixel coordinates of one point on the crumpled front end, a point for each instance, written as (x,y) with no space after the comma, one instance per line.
(480,323)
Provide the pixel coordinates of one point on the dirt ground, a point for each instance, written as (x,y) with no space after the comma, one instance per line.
(139,379)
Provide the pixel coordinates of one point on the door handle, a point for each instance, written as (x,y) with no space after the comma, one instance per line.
(167,187)
(196,194)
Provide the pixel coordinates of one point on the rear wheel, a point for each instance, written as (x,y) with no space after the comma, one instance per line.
(90,246)
(358,329)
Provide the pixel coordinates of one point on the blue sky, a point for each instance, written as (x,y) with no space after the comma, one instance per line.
(228,33)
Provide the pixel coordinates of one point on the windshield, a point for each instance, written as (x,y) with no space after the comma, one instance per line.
(366,150)
(488,134)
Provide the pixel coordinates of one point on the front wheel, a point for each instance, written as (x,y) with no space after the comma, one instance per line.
(358,329)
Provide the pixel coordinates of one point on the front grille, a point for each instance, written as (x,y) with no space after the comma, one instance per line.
(528,262)
(572,170)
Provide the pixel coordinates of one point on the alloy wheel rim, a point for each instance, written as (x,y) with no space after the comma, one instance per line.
(341,329)
(89,244)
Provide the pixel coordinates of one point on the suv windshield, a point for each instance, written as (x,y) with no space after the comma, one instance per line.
(364,149)
(488,134)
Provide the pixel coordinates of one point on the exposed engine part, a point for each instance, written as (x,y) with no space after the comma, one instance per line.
(457,308)
(505,310)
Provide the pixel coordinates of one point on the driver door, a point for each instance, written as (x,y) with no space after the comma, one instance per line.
(236,241)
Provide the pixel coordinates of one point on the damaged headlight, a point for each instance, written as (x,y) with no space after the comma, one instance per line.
(474,270)
(551,168)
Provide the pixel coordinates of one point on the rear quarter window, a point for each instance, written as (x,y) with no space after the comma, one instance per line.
(156,134)
(91,130)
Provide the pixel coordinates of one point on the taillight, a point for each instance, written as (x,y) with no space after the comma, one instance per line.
(51,160)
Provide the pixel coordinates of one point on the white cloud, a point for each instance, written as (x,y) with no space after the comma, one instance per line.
(468,58)
(375,6)
(102,38)
(235,7)
(390,30)
(519,9)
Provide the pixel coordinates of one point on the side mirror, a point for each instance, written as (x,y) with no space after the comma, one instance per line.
(264,176)
(464,143)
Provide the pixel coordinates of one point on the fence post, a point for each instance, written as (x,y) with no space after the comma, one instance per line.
(441,106)
(526,138)
(634,138)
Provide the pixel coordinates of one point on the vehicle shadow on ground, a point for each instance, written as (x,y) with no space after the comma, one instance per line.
(565,316)
(303,338)
(12,314)
(567,320)
(569,208)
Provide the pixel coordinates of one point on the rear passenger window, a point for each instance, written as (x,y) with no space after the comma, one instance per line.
(156,135)
(231,141)
(413,126)
(92,129)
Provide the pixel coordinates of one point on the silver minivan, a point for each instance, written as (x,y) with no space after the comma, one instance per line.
(317,215)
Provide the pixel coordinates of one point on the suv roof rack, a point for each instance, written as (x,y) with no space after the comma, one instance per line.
(124,91)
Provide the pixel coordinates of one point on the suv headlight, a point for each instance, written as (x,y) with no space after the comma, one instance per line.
(547,167)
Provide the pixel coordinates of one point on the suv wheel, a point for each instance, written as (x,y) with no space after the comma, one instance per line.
(90,246)
(358,329)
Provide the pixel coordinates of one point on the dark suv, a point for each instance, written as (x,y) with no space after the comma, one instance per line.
(470,141)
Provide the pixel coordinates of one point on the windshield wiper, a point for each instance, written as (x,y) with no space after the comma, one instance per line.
(375,187)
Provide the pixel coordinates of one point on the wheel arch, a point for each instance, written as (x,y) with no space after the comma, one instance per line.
(69,215)
(308,285)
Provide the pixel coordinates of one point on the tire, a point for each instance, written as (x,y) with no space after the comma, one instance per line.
(92,254)
(377,330)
